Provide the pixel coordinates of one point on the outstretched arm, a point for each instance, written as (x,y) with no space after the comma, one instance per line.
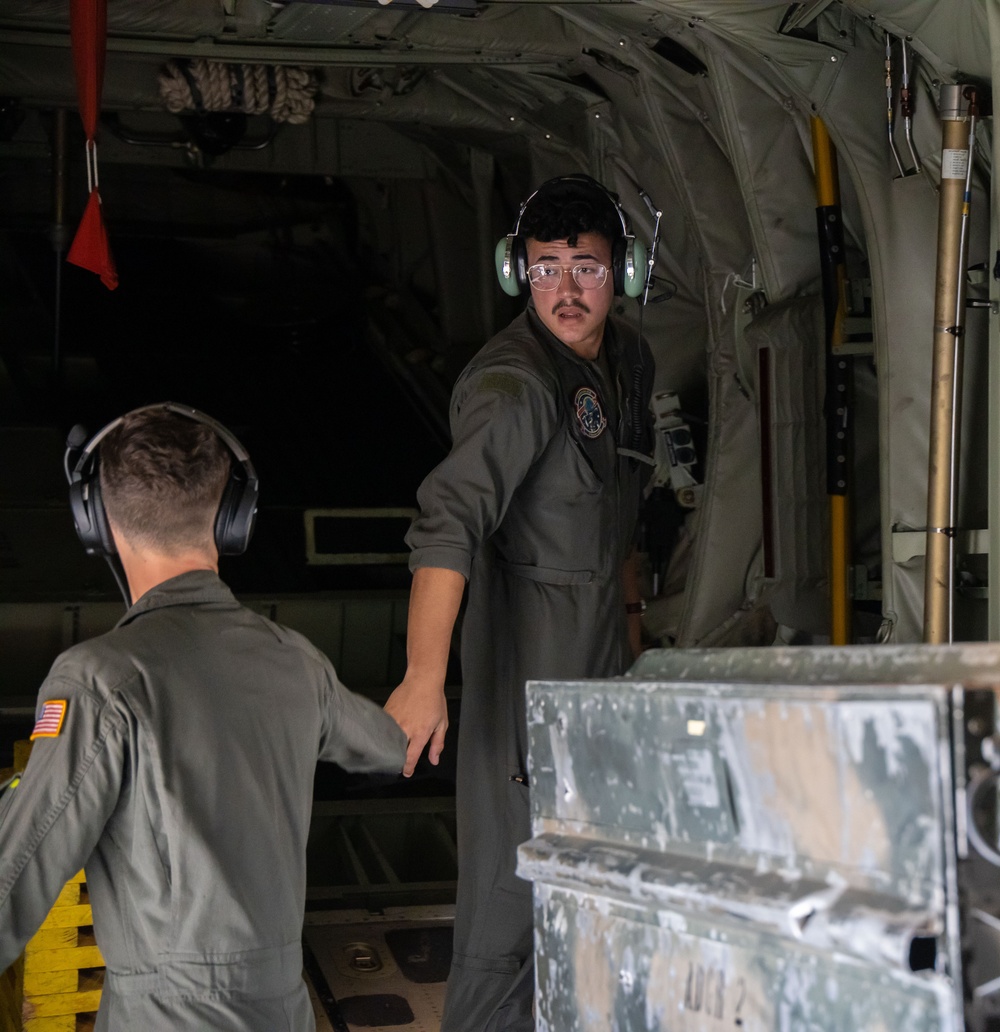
(418,704)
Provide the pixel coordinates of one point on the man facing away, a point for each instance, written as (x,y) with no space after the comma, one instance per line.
(174,757)
(535,506)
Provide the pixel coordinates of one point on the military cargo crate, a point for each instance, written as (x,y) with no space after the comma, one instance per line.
(769,839)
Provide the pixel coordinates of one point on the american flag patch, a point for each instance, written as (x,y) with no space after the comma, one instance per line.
(50,723)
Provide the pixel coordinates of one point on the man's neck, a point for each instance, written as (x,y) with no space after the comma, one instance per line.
(154,571)
(146,568)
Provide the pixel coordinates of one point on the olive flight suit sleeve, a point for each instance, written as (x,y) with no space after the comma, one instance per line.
(52,817)
(503,417)
(357,734)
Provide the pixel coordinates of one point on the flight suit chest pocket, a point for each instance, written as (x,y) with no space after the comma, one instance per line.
(556,525)
(588,465)
(562,477)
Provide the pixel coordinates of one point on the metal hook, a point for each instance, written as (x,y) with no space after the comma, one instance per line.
(907,108)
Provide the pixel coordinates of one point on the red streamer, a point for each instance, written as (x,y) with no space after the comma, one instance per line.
(89,37)
(88,27)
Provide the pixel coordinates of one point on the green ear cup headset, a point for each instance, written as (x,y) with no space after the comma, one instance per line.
(628,255)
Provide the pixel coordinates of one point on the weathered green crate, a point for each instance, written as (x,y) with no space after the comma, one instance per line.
(765,839)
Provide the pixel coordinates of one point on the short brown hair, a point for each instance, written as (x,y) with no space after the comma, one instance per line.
(563,208)
(162,476)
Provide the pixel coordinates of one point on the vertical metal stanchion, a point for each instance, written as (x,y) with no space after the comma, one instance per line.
(993,405)
(958,119)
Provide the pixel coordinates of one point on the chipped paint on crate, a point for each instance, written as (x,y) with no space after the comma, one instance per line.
(721,796)
(617,970)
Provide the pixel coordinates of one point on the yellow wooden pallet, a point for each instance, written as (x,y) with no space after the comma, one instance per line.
(12,980)
(63,968)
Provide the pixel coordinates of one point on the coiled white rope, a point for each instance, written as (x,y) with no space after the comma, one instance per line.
(286,94)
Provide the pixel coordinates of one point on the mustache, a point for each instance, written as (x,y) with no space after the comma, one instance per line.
(570,304)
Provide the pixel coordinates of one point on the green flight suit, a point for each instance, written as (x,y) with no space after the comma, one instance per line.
(181,777)
(537,506)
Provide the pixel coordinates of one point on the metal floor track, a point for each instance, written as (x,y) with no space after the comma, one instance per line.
(379,972)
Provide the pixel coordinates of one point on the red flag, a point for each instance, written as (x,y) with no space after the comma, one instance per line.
(90,248)
(89,37)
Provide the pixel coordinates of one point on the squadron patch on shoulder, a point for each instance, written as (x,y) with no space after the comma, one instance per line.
(505,383)
(589,413)
(50,723)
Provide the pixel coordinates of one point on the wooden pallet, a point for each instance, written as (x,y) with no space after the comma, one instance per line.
(63,968)
(12,980)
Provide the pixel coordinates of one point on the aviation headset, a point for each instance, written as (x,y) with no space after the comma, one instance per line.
(237,513)
(628,255)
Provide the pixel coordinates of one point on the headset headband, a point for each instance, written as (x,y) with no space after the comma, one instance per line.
(578,179)
(239,452)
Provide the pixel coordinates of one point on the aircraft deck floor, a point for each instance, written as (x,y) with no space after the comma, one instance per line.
(381,972)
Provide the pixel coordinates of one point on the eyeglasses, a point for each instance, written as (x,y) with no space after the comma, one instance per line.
(547,277)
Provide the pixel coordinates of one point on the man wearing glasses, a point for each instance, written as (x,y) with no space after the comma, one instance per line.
(535,507)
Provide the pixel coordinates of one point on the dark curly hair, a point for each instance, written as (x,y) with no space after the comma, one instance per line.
(564,208)
(162,477)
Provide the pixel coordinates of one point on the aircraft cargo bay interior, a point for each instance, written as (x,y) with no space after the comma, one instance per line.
(303,219)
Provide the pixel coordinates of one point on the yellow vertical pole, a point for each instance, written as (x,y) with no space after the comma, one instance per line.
(838,377)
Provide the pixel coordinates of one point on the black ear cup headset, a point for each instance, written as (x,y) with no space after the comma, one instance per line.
(237,513)
(628,255)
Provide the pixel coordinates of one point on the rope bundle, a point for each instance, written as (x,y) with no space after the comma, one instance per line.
(286,94)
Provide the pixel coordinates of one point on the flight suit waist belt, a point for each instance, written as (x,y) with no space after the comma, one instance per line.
(255,973)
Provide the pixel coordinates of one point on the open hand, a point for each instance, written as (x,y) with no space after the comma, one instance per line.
(422,712)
